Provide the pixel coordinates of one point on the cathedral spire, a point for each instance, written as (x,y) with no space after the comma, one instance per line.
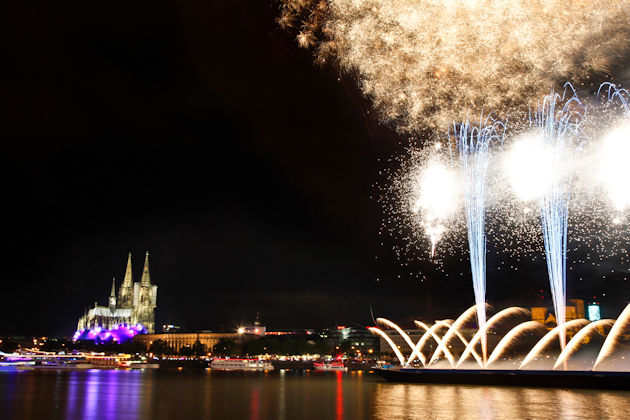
(125,294)
(112,296)
(146,277)
(128,280)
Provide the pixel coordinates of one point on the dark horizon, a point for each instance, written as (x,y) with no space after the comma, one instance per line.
(203,134)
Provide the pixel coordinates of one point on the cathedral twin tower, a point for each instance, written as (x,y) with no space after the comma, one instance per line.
(135,303)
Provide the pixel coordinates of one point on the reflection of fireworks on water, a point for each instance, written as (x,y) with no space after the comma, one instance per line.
(429,62)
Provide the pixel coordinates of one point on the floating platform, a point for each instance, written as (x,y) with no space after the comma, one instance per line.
(525,378)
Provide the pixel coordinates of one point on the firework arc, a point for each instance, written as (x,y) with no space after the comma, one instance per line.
(465,317)
(559,331)
(446,324)
(577,339)
(399,330)
(510,337)
(461,338)
(613,336)
(389,341)
(417,349)
(483,330)
(615,95)
(583,328)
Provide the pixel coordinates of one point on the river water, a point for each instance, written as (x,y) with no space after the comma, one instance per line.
(182,395)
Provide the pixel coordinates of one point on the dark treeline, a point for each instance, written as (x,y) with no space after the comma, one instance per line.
(276,345)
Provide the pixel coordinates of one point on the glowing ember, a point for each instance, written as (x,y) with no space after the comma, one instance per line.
(614,171)
(437,199)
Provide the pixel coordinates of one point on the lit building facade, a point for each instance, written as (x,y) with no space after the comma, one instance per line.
(358,338)
(574,310)
(134,305)
(178,340)
(594,313)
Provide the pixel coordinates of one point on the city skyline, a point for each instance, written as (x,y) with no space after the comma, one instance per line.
(163,141)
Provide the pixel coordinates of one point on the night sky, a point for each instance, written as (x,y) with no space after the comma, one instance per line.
(200,131)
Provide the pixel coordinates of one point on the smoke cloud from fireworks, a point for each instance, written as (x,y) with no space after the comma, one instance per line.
(425,63)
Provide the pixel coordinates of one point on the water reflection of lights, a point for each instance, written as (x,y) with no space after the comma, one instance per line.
(453,401)
(339,395)
(254,402)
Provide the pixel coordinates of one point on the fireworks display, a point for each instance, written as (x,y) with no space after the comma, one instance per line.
(473,143)
(436,198)
(446,338)
(559,130)
(527,166)
(559,182)
(425,63)
(541,163)
(553,188)
(613,169)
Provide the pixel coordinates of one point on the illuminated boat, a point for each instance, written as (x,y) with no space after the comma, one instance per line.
(138,364)
(240,364)
(334,365)
(528,378)
(15,361)
(111,362)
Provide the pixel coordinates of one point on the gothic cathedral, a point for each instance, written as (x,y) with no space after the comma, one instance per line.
(135,304)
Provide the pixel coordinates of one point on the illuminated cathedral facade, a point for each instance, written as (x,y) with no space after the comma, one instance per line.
(135,304)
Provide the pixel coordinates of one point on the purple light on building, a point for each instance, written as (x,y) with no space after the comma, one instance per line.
(121,334)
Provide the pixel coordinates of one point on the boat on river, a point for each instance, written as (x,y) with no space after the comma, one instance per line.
(240,364)
(333,366)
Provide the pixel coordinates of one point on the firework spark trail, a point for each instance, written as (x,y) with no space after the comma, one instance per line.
(430,333)
(473,145)
(559,128)
(613,94)
(613,337)
(460,321)
(511,336)
(481,334)
(559,331)
(578,339)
